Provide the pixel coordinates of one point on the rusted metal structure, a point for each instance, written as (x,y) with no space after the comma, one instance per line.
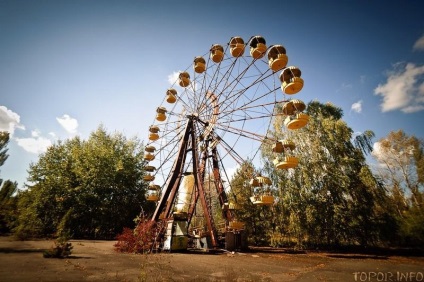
(213,117)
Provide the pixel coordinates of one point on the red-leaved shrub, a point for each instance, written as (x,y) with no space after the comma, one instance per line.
(139,240)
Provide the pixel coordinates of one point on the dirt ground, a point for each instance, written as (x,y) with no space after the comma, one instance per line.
(97,261)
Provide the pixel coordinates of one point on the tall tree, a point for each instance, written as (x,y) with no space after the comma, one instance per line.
(257,219)
(8,191)
(8,205)
(89,188)
(331,197)
(401,162)
(4,140)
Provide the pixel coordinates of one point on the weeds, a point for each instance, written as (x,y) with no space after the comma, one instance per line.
(62,248)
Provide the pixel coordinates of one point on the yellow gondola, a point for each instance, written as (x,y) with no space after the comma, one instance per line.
(289,73)
(153,187)
(262,200)
(263,180)
(291,83)
(237,46)
(257,47)
(277,58)
(149,157)
(153,135)
(184,78)
(199,64)
(153,197)
(293,86)
(259,181)
(282,145)
(286,162)
(297,121)
(161,114)
(235,224)
(230,206)
(149,168)
(150,149)
(217,53)
(288,145)
(148,177)
(293,106)
(171,96)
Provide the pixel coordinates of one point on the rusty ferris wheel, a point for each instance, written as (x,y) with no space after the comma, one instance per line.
(216,115)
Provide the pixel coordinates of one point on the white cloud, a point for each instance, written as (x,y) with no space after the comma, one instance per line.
(231,171)
(35,133)
(377,151)
(402,90)
(173,77)
(9,120)
(357,107)
(35,144)
(413,109)
(68,123)
(419,44)
(420,97)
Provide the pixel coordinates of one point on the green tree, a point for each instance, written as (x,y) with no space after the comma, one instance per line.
(257,219)
(401,162)
(8,191)
(4,140)
(8,205)
(331,197)
(89,188)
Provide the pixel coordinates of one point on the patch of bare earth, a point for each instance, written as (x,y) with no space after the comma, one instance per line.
(98,261)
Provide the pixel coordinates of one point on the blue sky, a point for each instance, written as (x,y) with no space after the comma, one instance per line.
(68,66)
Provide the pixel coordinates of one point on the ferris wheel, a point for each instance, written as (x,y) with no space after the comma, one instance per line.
(215,116)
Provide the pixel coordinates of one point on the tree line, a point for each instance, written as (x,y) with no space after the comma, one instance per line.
(334,197)
(342,192)
(80,188)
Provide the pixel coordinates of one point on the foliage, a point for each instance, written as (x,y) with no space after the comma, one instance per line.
(364,141)
(400,166)
(8,204)
(257,219)
(198,220)
(91,188)
(8,191)
(62,248)
(331,197)
(138,240)
(4,140)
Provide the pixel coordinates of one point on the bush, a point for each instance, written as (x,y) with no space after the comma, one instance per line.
(140,240)
(61,249)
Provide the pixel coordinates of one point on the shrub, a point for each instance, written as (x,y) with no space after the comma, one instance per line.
(139,240)
(62,248)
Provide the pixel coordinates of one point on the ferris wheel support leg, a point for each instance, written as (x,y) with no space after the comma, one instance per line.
(219,187)
(199,181)
(173,182)
(201,172)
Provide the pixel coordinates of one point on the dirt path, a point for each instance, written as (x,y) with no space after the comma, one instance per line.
(97,261)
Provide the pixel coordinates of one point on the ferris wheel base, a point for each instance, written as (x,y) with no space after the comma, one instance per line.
(177,240)
(236,240)
(232,240)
